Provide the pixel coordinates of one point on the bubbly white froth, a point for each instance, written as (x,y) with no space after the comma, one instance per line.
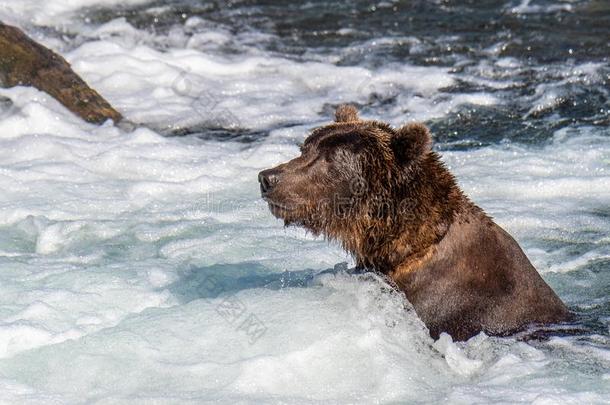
(50,12)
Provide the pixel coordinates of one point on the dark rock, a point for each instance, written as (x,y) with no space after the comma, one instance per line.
(23,62)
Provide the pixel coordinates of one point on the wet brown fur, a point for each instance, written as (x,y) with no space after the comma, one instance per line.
(387,197)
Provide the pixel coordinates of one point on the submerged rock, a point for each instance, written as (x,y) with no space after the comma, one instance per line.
(23,62)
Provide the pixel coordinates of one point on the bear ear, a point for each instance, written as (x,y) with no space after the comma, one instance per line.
(411,142)
(346,113)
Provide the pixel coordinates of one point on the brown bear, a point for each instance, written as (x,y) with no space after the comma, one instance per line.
(387,197)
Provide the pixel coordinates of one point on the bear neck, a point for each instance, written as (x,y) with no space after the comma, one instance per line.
(428,198)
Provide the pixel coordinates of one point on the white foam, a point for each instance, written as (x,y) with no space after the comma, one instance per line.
(51,11)
(183,87)
(525,7)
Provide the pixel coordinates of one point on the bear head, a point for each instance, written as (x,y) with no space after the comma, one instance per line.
(350,178)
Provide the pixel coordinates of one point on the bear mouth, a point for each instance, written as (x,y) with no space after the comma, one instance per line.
(277,209)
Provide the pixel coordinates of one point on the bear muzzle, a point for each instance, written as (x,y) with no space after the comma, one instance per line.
(268,179)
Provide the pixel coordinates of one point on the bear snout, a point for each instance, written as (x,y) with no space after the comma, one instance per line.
(268,179)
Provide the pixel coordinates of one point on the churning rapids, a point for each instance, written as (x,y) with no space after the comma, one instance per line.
(143,267)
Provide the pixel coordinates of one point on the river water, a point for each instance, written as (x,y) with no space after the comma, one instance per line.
(143,267)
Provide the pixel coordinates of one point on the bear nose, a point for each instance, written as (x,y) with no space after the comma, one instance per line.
(268,179)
